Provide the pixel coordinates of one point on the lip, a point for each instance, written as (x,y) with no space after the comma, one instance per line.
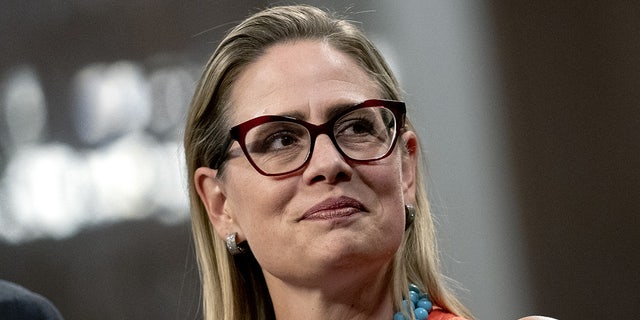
(334,208)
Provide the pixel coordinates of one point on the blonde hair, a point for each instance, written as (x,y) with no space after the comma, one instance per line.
(233,287)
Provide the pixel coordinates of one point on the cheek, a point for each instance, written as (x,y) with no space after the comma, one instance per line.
(386,179)
(386,183)
(386,229)
(254,201)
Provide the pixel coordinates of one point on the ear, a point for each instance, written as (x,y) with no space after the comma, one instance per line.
(409,165)
(211,192)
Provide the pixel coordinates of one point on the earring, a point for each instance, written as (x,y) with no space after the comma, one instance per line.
(410,215)
(232,244)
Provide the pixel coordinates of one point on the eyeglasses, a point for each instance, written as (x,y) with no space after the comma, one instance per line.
(278,145)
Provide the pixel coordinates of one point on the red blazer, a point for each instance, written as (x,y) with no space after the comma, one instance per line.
(439,314)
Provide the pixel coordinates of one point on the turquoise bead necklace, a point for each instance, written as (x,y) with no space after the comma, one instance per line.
(418,302)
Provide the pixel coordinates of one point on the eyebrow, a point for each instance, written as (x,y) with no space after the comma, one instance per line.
(329,114)
(336,110)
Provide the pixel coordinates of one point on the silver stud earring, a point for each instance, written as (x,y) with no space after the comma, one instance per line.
(232,244)
(410,215)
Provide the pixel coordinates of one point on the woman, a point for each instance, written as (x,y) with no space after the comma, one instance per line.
(307,200)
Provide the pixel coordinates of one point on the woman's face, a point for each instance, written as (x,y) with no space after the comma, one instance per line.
(332,214)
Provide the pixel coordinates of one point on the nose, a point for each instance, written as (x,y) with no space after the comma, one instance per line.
(326,163)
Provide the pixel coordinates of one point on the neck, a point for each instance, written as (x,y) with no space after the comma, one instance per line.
(363,294)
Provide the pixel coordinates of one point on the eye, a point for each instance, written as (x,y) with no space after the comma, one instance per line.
(279,140)
(360,123)
(355,126)
(364,128)
(276,137)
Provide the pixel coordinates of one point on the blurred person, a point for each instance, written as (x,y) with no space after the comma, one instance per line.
(307,196)
(18,303)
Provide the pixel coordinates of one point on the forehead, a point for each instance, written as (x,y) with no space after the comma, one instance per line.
(303,78)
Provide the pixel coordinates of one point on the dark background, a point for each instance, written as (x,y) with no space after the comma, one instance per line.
(570,75)
(132,270)
(126,270)
(572,79)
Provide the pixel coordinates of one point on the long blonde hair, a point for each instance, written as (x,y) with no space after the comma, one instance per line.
(233,287)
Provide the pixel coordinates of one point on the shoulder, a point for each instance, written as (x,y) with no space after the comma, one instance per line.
(439,314)
(17,302)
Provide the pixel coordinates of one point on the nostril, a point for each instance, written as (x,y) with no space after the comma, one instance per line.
(340,176)
(318,179)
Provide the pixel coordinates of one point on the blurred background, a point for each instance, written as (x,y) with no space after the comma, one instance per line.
(529,115)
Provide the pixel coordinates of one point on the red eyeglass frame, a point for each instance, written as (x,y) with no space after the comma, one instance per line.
(239,132)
